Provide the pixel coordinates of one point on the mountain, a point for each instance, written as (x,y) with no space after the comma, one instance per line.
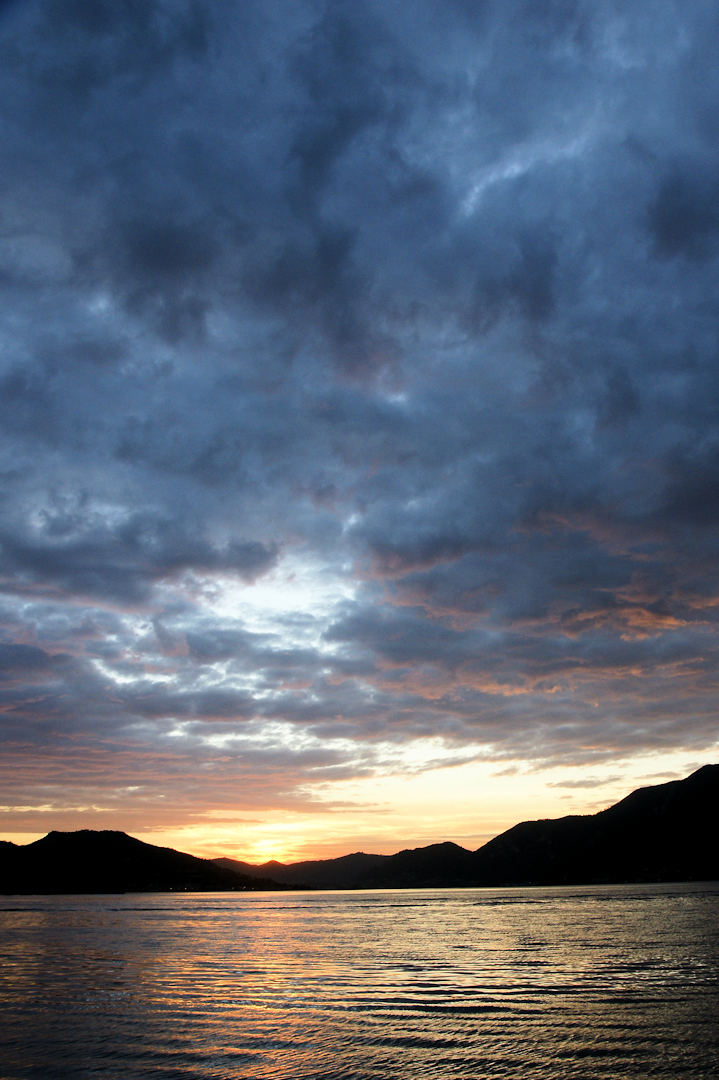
(112,862)
(440,865)
(319,873)
(668,832)
(435,867)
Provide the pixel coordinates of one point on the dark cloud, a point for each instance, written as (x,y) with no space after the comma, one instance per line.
(418,301)
(119,563)
(16,660)
(692,491)
(684,217)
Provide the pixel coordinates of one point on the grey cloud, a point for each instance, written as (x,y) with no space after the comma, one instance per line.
(426,291)
(692,491)
(119,563)
(165,249)
(589,782)
(16,660)
(684,219)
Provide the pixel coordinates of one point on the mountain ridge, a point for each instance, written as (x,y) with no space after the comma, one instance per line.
(665,832)
(110,861)
(649,835)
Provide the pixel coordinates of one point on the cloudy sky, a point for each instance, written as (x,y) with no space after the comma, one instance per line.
(359,393)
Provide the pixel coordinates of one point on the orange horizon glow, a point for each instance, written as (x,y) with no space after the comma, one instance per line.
(467,804)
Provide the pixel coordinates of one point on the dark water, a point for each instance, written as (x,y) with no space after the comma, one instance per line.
(586,982)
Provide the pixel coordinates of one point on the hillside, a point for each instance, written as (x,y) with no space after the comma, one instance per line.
(668,832)
(338,873)
(111,862)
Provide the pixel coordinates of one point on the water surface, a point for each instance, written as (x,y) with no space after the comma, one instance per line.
(523,983)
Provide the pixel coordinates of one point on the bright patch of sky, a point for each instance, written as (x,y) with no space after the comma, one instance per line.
(468,803)
(295,602)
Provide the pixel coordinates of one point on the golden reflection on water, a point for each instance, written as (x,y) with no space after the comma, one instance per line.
(620,981)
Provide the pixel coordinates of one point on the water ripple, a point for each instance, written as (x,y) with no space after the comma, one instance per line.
(588,984)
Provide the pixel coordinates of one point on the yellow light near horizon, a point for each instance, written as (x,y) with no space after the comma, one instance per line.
(22,838)
(467,804)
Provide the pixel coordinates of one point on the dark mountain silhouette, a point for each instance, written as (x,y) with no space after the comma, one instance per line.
(664,833)
(668,832)
(110,862)
(437,866)
(319,873)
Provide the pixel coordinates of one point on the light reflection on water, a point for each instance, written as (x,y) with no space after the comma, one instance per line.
(523,983)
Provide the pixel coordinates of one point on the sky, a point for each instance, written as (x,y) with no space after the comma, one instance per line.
(359,416)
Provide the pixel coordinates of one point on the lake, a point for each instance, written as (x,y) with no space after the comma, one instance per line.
(589,982)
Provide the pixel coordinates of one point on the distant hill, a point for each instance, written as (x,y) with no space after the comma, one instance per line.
(669,832)
(111,862)
(319,873)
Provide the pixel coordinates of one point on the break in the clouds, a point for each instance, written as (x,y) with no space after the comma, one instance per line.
(359,391)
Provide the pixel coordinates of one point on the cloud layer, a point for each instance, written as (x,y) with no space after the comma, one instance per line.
(358,386)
